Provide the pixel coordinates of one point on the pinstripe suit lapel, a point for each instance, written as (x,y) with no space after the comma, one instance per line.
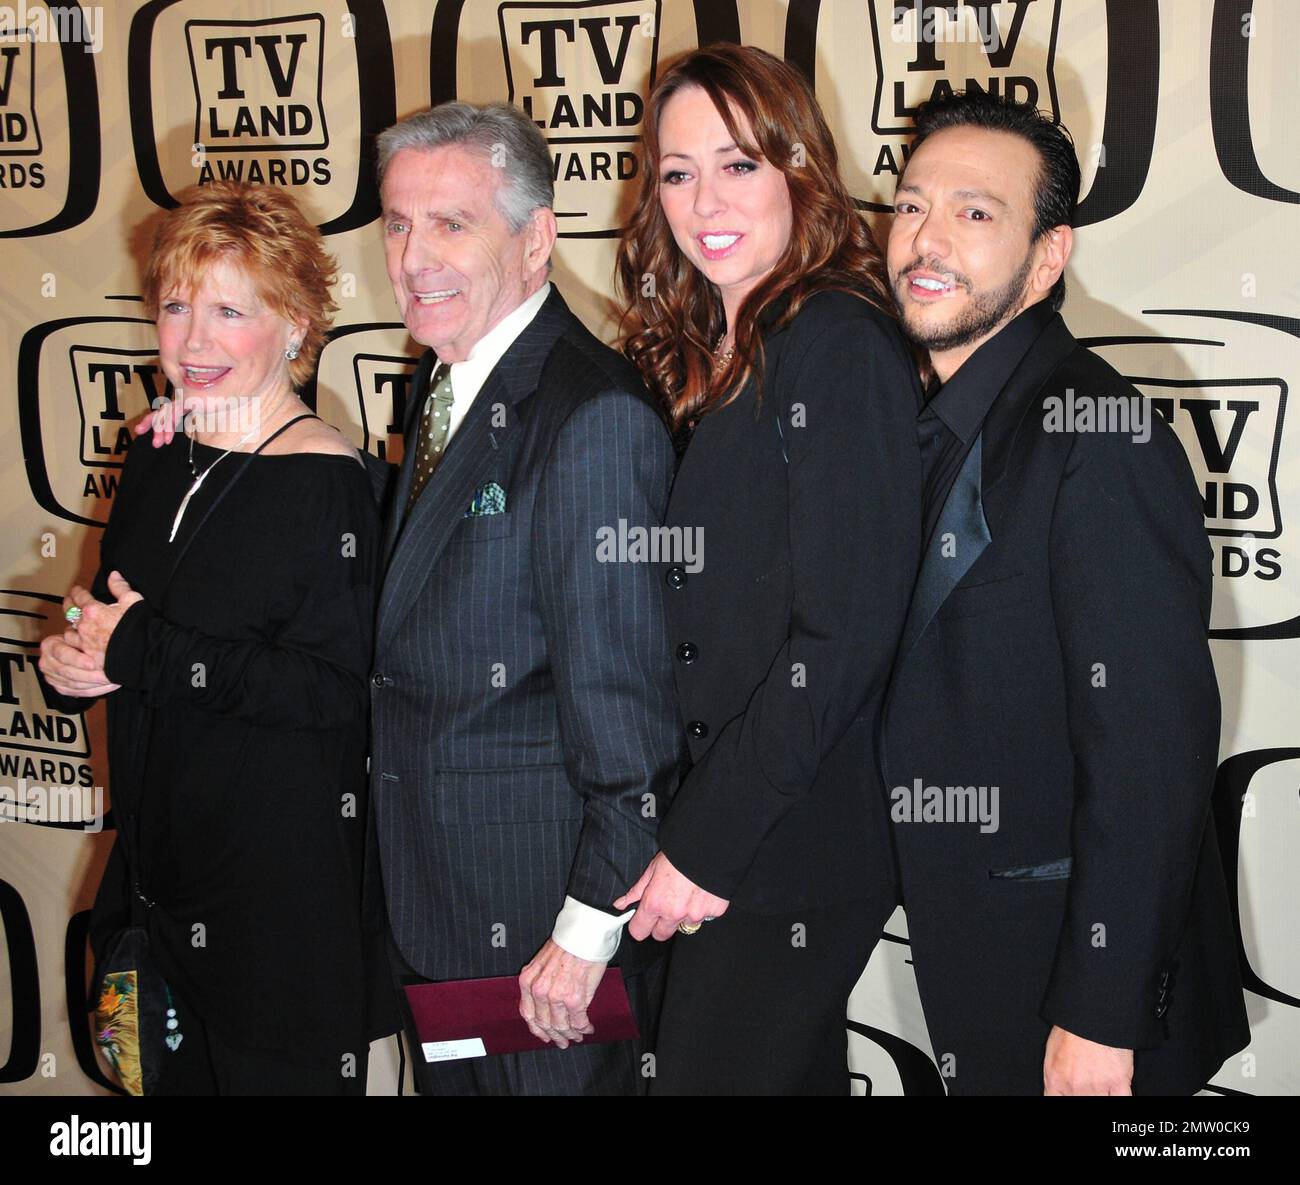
(414,546)
(405,473)
(440,508)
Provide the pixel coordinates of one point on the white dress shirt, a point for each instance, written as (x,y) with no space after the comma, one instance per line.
(580,929)
(468,377)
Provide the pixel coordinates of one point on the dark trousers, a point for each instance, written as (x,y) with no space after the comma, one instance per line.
(206,1064)
(610,1068)
(756,1004)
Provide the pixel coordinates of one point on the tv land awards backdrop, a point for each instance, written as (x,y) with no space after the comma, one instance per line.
(1185,277)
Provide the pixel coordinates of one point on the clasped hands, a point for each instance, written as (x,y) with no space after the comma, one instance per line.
(556,988)
(73,661)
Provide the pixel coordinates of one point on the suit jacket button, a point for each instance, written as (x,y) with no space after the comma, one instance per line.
(377,679)
(697,729)
(688,651)
(675,576)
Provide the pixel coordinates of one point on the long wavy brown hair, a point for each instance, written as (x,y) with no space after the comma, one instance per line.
(673,314)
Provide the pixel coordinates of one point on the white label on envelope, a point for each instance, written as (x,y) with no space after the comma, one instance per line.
(450,1051)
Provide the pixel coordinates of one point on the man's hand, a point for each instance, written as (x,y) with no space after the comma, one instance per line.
(554,991)
(164,419)
(667,898)
(1075,1065)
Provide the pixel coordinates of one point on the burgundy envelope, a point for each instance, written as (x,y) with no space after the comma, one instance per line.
(475,1017)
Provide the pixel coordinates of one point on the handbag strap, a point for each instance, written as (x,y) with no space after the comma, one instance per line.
(248,460)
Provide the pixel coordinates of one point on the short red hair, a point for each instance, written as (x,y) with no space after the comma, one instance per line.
(263,229)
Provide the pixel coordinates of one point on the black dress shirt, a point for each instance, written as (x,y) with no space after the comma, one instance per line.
(952,416)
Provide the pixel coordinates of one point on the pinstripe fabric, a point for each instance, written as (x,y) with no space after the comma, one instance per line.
(522,705)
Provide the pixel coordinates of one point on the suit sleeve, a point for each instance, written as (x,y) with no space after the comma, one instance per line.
(309,671)
(1131,586)
(854,478)
(606,635)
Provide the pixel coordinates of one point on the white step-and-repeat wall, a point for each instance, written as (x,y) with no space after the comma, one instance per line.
(1186,276)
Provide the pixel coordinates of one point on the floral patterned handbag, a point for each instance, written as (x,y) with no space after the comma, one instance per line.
(135,1019)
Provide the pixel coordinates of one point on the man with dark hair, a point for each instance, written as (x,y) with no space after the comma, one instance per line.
(1051,731)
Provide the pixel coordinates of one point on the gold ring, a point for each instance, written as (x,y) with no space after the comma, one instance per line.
(689,927)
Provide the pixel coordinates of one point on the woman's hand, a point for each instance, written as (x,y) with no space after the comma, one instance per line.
(667,898)
(99,620)
(70,670)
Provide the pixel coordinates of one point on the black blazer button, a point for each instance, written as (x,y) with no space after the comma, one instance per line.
(377,679)
(675,576)
(697,729)
(688,651)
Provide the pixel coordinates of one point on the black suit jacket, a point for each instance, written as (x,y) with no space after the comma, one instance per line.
(524,737)
(807,506)
(1056,648)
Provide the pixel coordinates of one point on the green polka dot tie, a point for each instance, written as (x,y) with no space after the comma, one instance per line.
(432,440)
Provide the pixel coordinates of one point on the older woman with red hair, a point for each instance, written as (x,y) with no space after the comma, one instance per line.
(229,628)
(757,309)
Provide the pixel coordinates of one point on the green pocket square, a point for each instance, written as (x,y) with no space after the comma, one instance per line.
(491,499)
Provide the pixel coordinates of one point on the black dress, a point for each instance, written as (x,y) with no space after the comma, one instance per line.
(237,748)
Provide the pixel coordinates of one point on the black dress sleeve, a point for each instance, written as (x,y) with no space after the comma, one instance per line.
(312,673)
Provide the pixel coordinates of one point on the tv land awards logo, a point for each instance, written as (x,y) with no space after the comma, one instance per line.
(20,131)
(293,99)
(255,88)
(82,382)
(582,80)
(1239,485)
(363,384)
(580,71)
(1233,422)
(928,49)
(47,96)
(40,747)
(874,63)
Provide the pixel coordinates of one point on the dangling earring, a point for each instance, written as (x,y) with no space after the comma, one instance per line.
(291,353)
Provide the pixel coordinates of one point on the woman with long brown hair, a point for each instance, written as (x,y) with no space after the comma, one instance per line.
(757,310)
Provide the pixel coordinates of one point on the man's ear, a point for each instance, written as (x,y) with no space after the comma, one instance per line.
(1053,251)
(541,232)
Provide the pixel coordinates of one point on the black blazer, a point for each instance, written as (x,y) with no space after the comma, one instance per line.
(807,506)
(524,735)
(1056,648)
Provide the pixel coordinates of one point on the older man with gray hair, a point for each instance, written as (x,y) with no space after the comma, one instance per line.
(525,736)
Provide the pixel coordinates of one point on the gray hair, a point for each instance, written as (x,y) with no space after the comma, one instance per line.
(501,132)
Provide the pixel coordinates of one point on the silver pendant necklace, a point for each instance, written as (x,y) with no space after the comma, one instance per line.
(199,478)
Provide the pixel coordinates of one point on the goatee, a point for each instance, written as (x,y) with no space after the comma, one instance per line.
(985,312)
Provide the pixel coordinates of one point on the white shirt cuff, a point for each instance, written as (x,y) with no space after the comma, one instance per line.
(587,932)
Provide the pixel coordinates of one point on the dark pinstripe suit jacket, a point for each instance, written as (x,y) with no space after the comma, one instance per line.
(522,698)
